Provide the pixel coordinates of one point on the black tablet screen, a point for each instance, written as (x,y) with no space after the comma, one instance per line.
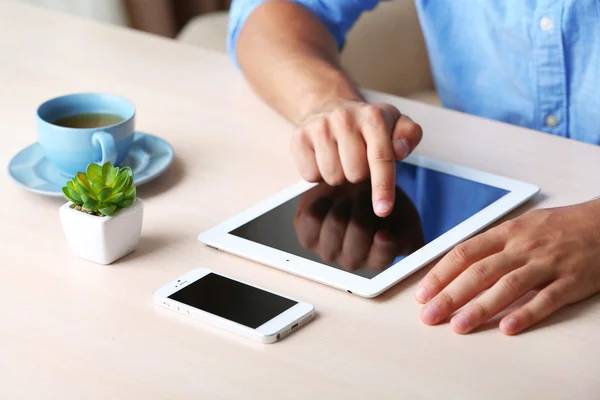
(336,226)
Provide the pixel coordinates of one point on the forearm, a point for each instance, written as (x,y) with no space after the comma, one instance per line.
(291,60)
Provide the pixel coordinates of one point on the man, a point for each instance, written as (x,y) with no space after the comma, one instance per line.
(533,63)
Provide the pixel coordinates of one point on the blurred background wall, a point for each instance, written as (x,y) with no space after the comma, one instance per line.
(385,49)
(162,17)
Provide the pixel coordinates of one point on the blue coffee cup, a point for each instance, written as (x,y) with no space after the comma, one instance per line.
(73,149)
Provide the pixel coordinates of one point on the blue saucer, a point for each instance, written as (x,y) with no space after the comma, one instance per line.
(149,157)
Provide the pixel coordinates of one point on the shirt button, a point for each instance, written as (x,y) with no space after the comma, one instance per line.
(546,24)
(551,121)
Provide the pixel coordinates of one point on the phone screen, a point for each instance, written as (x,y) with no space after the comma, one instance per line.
(233,300)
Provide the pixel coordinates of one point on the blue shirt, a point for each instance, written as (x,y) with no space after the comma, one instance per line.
(533,63)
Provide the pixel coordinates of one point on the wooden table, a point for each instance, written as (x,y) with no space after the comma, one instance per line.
(72,329)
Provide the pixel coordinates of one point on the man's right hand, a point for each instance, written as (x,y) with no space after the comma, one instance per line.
(292,61)
(352,141)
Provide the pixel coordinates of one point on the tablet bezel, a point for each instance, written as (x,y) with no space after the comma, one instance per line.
(219,237)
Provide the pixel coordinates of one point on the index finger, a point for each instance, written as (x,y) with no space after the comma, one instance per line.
(456,261)
(382,162)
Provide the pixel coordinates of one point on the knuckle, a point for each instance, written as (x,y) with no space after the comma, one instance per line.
(550,298)
(553,257)
(529,245)
(336,180)
(558,236)
(512,283)
(513,227)
(445,300)
(434,279)
(460,254)
(382,155)
(383,186)
(373,115)
(342,117)
(319,130)
(575,274)
(479,311)
(480,272)
(333,177)
(357,175)
(310,174)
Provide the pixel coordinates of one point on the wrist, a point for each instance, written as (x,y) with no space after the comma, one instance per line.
(333,92)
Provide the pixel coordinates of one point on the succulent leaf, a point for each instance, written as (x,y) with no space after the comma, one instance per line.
(128,184)
(102,190)
(125,203)
(105,194)
(106,170)
(93,170)
(116,198)
(130,193)
(126,171)
(108,211)
(83,181)
(98,179)
(121,182)
(72,195)
(81,190)
(111,174)
(97,187)
(90,205)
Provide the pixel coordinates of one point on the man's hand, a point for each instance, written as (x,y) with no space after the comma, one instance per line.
(352,140)
(292,61)
(555,251)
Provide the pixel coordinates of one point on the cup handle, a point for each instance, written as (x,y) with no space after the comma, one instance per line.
(107,145)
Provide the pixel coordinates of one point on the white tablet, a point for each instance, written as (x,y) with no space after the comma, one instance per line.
(331,235)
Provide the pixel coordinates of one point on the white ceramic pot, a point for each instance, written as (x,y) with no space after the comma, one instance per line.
(103,240)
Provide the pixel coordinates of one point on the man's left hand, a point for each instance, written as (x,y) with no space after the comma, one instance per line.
(553,251)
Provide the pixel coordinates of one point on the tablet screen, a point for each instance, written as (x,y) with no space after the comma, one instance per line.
(336,226)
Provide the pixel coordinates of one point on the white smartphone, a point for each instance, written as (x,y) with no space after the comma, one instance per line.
(233,305)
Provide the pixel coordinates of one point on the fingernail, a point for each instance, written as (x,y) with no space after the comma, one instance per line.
(510,325)
(430,314)
(461,322)
(422,295)
(382,206)
(401,148)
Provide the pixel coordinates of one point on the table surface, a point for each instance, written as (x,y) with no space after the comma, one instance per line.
(72,329)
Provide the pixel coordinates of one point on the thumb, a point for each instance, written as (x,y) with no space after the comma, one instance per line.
(406,136)
(405,133)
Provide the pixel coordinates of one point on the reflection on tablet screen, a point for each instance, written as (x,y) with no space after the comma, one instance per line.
(336,226)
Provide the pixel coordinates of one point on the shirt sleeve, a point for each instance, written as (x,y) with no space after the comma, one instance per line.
(337,15)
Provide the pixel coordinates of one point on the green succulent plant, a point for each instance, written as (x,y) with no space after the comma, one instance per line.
(101,190)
